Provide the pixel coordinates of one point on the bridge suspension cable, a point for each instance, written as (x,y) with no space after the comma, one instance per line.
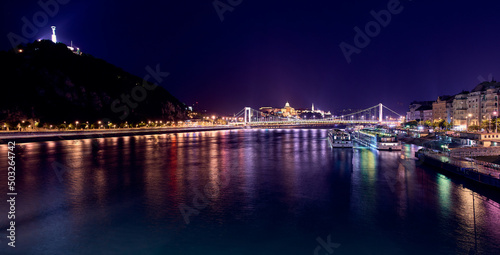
(371,115)
(354,113)
(392,111)
(374,111)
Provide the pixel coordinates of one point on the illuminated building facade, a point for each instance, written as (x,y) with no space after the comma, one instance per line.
(460,110)
(442,109)
(288,111)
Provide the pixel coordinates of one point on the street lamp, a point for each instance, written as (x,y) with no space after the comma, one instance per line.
(468,119)
(495,113)
(489,121)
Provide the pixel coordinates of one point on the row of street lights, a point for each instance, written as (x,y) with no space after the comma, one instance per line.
(469,117)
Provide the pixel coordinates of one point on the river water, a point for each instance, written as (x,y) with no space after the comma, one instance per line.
(277,191)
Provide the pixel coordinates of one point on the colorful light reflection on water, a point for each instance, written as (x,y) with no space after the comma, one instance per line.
(257,191)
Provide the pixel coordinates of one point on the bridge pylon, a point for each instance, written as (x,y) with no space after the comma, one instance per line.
(380,114)
(248,115)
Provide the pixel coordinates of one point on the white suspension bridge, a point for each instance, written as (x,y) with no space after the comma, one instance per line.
(372,115)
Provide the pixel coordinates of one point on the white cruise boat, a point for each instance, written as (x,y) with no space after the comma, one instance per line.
(379,139)
(339,139)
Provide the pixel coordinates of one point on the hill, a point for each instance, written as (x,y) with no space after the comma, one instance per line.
(49,83)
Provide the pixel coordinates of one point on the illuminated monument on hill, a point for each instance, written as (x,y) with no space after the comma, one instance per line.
(54,39)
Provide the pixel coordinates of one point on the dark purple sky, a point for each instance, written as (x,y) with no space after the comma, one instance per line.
(265,53)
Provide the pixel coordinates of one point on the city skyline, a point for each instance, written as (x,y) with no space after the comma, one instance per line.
(250,127)
(265,54)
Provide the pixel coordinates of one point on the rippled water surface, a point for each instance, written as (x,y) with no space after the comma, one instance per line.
(240,192)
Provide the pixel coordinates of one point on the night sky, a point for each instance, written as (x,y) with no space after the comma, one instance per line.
(265,53)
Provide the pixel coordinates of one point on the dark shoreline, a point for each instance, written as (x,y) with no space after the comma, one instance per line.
(462,172)
(42,136)
(26,137)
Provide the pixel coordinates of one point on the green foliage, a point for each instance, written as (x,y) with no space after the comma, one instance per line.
(473,128)
(411,124)
(439,124)
(25,124)
(447,125)
(485,124)
(9,124)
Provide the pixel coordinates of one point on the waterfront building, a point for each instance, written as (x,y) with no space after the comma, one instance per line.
(427,112)
(478,139)
(460,110)
(413,114)
(474,103)
(490,109)
(482,102)
(442,109)
(419,111)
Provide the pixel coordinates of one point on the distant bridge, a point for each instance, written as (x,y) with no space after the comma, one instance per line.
(372,115)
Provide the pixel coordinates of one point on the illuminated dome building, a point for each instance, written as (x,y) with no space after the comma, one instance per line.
(288,111)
